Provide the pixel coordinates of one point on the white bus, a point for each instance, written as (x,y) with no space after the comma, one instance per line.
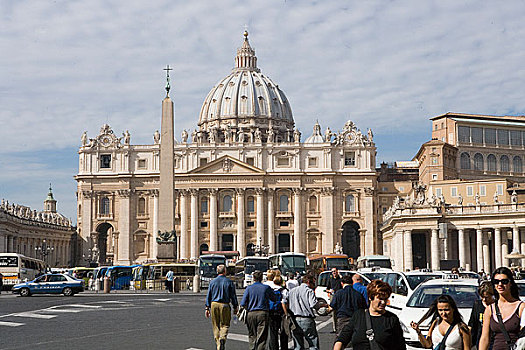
(208,267)
(246,266)
(289,262)
(17,268)
(377,261)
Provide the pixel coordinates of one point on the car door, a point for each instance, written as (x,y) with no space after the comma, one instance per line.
(37,285)
(56,284)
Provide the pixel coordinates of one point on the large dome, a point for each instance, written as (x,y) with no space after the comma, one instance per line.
(247,100)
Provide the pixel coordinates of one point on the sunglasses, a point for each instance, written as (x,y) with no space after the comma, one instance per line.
(504,281)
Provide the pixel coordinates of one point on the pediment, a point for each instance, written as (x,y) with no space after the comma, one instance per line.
(227,165)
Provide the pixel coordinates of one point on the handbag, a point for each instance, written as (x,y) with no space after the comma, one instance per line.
(510,344)
(441,345)
(370,332)
(242,314)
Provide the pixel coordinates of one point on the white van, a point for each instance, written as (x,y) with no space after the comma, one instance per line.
(370,261)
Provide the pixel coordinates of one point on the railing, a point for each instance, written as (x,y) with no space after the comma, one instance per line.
(284,214)
(226,214)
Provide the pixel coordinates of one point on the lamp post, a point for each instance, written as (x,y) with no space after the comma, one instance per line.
(261,249)
(44,250)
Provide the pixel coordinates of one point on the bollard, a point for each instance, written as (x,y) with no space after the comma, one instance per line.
(176,285)
(107,285)
(196,284)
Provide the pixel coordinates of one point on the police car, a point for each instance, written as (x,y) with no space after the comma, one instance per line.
(463,291)
(54,283)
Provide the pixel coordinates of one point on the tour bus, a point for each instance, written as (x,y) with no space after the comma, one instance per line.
(17,268)
(288,262)
(156,276)
(120,276)
(246,266)
(208,267)
(368,261)
(320,263)
(82,273)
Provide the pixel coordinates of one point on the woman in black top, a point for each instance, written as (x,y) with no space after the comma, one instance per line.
(387,329)
(475,323)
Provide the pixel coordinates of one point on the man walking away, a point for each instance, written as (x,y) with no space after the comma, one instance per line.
(292,282)
(169,280)
(256,300)
(301,303)
(359,286)
(345,302)
(221,293)
(334,284)
(277,334)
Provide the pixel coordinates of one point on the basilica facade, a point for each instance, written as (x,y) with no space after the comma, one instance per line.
(243,178)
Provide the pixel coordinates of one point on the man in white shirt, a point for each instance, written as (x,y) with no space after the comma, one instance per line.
(292,282)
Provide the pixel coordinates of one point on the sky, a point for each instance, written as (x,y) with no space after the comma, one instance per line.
(70,66)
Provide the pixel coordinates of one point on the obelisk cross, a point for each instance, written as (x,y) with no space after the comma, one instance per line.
(167,69)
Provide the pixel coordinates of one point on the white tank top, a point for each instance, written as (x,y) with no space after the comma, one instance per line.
(453,342)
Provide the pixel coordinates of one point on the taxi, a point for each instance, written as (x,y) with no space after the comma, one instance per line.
(463,291)
(53,283)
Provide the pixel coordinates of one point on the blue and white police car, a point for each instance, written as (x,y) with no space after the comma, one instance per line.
(54,283)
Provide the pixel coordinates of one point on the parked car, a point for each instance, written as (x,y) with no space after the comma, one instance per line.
(322,284)
(54,283)
(463,291)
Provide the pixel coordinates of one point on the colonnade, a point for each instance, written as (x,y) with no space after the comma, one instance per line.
(59,256)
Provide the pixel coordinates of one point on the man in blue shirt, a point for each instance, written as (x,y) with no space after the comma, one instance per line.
(221,293)
(256,300)
(345,302)
(359,286)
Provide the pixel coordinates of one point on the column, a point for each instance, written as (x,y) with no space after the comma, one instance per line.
(462,251)
(184,237)
(125,250)
(259,196)
(213,219)
(271,215)
(298,237)
(367,211)
(486,254)
(516,239)
(88,212)
(155,195)
(194,222)
(522,239)
(497,247)
(504,248)
(241,224)
(434,245)
(479,249)
(327,220)
(408,250)
(10,244)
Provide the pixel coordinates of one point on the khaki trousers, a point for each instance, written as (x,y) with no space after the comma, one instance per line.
(221,316)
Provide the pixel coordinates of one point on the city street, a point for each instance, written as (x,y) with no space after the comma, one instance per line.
(117,321)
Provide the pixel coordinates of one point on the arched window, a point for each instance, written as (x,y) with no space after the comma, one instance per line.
(478,162)
(283,203)
(227,203)
(104,206)
(491,163)
(465,161)
(142,206)
(504,165)
(349,203)
(251,204)
(517,164)
(312,204)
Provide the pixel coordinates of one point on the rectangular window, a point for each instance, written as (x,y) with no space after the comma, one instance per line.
(470,191)
(204,206)
(283,161)
(503,137)
(250,161)
(204,224)
(284,223)
(434,176)
(454,191)
(105,161)
(401,189)
(500,189)
(476,135)
(482,190)
(384,209)
(312,162)
(250,224)
(203,161)
(438,192)
(349,158)
(464,134)
(384,189)
(490,136)
(141,163)
(515,138)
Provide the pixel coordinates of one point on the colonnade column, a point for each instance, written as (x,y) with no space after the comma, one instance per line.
(213,219)
(409,265)
(434,245)
(241,238)
(260,215)
(298,221)
(271,213)
(515,239)
(479,249)
(462,251)
(184,224)
(504,248)
(486,254)
(497,247)
(194,221)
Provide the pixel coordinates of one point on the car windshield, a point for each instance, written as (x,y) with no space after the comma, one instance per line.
(463,295)
(375,276)
(294,263)
(416,280)
(339,263)
(255,264)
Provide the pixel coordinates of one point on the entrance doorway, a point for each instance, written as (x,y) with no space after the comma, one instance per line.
(351,240)
(419,250)
(227,242)
(104,230)
(283,243)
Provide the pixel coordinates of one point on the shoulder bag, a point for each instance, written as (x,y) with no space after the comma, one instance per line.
(241,314)
(510,344)
(370,332)
(441,345)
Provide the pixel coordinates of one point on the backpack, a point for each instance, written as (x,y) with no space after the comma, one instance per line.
(275,306)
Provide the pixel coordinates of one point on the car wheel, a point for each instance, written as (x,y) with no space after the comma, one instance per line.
(68,292)
(24,292)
